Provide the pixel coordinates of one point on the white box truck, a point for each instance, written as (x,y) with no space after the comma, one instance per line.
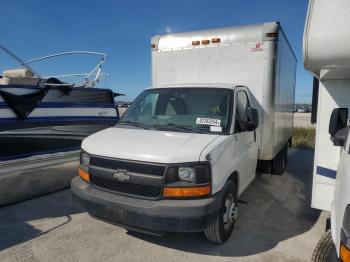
(221,99)
(327,57)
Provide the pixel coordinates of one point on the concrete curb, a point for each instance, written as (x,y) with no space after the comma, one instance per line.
(30,178)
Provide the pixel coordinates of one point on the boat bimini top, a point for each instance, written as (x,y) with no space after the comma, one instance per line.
(24,89)
(26,75)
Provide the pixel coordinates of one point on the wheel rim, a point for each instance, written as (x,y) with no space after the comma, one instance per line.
(230,212)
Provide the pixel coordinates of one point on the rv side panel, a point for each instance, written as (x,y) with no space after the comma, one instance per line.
(332,94)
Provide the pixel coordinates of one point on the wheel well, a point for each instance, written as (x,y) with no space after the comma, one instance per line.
(234,177)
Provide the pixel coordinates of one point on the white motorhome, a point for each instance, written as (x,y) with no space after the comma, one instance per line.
(221,100)
(327,57)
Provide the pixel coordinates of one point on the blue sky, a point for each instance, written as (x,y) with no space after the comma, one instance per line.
(123,29)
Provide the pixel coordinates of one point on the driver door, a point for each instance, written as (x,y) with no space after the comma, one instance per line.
(245,140)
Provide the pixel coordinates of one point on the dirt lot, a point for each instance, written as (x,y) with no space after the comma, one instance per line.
(302,120)
(276,224)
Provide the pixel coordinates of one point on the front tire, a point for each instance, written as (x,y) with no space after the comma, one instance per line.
(324,251)
(222,228)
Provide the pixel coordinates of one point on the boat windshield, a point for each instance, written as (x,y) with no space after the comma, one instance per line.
(198,110)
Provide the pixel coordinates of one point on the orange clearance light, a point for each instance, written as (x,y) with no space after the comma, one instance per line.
(205,42)
(186,191)
(153,46)
(196,42)
(344,253)
(215,40)
(84,175)
(271,34)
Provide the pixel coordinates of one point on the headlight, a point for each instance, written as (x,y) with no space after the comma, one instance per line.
(84,159)
(345,232)
(188,180)
(84,166)
(187,174)
(344,251)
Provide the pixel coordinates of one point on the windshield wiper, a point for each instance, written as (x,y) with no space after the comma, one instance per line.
(132,123)
(174,126)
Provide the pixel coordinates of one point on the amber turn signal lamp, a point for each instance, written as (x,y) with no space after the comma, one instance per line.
(84,175)
(186,191)
(205,42)
(344,253)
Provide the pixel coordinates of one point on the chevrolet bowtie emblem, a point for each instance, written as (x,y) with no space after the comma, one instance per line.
(122,175)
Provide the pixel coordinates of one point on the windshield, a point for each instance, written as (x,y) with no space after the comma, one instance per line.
(181,109)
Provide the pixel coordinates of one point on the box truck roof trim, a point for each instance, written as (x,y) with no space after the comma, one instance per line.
(199,85)
(218,36)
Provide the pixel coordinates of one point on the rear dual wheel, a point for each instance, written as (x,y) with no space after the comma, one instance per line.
(280,161)
(222,228)
(277,165)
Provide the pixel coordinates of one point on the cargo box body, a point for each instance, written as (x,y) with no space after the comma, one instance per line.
(257,56)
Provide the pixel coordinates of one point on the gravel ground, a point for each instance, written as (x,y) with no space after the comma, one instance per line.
(276,224)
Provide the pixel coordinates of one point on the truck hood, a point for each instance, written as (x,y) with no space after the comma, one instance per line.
(147,145)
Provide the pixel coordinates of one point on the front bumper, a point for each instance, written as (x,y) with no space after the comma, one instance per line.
(157,216)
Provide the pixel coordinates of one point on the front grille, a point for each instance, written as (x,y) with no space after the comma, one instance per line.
(129,166)
(126,188)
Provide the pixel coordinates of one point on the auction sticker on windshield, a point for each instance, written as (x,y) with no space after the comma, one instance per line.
(208,121)
(216,129)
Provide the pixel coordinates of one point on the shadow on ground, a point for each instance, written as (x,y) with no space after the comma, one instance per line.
(278,208)
(14,226)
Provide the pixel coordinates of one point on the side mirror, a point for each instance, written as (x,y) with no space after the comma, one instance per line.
(340,137)
(253,119)
(338,121)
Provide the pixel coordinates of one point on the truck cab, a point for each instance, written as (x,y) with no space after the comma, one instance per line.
(178,142)
(188,146)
